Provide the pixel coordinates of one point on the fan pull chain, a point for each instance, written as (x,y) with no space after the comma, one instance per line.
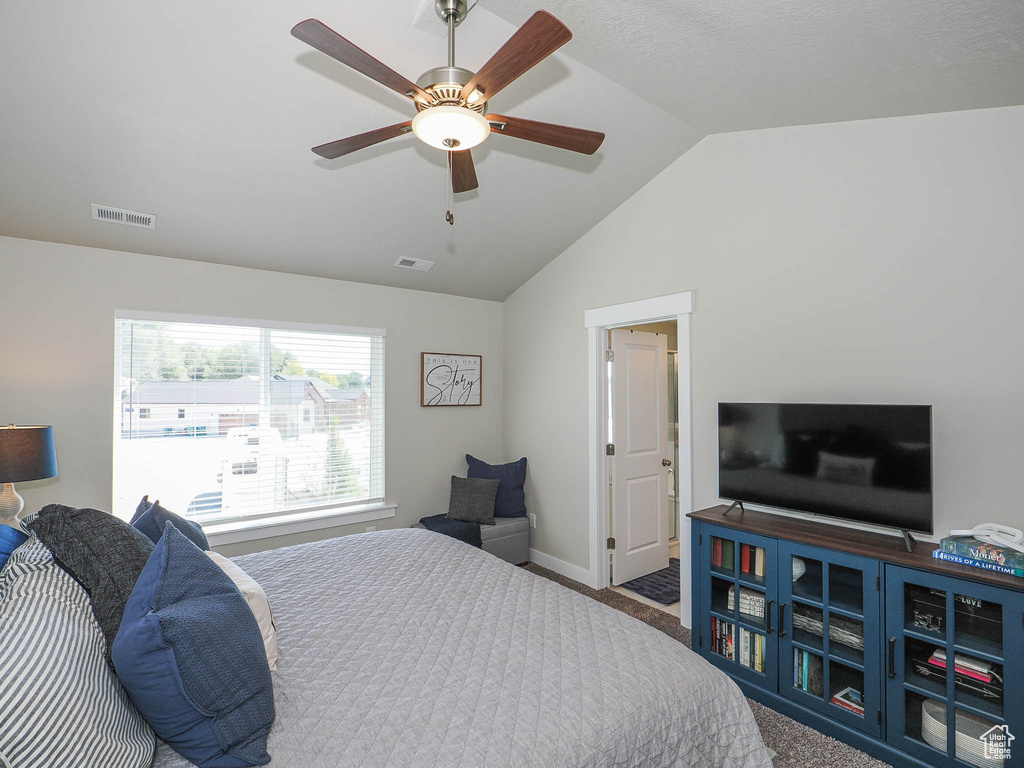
(449,216)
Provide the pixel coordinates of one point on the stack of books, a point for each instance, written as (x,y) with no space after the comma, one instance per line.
(752,560)
(973,676)
(722,553)
(751,602)
(849,698)
(967,550)
(722,641)
(807,672)
(751,650)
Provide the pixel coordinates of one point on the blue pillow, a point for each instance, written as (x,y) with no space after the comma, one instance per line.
(190,655)
(10,540)
(149,518)
(511,477)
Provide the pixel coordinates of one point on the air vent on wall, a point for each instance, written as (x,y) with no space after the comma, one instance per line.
(123,216)
(420,265)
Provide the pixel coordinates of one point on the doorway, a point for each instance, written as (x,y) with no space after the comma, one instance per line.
(650,481)
(643,494)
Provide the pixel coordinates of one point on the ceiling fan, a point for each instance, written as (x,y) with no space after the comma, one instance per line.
(451,102)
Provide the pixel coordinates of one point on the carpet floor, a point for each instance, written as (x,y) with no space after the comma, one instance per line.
(797,745)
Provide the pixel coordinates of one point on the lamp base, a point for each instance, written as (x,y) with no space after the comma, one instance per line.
(11,505)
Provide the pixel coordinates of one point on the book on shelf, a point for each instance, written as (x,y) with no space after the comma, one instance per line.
(716,552)
(849,698)
(759,562)
(728,554)
(744,558)
(972,549)
(965,665)
(988,565)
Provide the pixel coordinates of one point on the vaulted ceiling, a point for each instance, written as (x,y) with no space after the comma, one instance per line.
(204,114)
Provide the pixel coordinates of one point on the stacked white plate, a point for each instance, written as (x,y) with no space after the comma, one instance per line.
(969,730)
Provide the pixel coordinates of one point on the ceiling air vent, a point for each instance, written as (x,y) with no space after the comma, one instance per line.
(123,216)
(420,265)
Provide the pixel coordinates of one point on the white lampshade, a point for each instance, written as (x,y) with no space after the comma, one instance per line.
(435,125)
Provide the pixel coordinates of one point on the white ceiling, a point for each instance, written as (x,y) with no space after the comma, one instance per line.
(204,114)
(734,65)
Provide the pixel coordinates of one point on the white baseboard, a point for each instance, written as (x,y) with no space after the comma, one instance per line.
(562,568)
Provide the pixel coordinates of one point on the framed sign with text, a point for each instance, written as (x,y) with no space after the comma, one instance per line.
(447,379)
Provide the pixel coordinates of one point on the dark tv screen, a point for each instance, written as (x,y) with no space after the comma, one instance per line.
(869,463)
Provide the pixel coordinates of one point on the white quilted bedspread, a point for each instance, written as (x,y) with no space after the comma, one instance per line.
(408,648)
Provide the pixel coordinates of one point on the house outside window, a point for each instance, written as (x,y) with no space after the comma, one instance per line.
(271,433)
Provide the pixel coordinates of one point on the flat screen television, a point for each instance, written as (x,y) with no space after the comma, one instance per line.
(868,463)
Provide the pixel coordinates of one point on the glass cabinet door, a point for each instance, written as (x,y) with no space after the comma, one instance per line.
(829,603)
(737,603)
(950,696)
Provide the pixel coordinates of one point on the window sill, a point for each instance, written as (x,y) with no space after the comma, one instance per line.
(268,527)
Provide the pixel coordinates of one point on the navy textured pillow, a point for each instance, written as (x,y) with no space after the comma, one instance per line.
(151,517)
(102,553)
(511,477)
(191,657)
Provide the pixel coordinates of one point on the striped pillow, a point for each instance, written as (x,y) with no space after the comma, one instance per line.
(60,704)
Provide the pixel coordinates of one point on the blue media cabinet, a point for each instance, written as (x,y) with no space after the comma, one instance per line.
(847,632)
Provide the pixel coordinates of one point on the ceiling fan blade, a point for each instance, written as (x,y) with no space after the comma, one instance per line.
(463,171)
(326,40)
(537,39)
(352,143)
(563,137)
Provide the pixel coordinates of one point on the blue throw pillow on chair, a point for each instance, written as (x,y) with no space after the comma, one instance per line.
(190,655)
(150,517)
(511,477)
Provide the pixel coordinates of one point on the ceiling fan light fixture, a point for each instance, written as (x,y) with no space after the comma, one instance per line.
(450,128)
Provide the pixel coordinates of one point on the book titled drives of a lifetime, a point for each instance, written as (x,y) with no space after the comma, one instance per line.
(970,548)
(987,565)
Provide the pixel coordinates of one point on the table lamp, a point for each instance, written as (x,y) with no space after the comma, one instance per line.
(26,453)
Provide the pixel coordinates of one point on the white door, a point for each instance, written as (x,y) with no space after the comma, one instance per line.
(640,509)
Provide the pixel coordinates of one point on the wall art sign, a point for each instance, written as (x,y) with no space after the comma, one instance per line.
(447,379)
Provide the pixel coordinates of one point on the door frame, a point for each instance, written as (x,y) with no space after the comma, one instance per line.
(678,307)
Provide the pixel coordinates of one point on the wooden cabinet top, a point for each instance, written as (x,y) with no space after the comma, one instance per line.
(889,549)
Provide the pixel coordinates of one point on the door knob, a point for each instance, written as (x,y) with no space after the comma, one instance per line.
(666,462)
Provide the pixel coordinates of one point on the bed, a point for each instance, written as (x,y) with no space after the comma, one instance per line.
(408,648)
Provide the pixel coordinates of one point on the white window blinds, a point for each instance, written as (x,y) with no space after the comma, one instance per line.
(228,420)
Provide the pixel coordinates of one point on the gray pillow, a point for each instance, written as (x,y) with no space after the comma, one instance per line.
(472,500)
(102,553)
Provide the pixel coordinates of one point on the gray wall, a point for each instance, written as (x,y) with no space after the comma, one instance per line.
(57,346)
(878,261)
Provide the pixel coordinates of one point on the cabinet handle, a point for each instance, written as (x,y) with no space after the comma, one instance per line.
(768,616)
(782,619)
(892,657)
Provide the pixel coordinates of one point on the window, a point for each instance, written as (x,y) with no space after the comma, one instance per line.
(284,422)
